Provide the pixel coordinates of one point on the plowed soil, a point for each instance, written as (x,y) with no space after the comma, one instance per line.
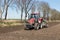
(18,33)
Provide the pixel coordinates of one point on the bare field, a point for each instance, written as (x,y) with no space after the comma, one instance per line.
(18,33)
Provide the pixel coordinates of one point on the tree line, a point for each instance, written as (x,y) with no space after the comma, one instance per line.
(29,6)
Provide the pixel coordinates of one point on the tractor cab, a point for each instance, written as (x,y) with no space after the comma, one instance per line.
(36,16)
(33,18)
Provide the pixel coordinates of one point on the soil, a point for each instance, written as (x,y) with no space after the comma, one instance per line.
(18,33)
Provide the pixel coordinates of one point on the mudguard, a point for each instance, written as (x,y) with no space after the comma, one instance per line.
(31,21)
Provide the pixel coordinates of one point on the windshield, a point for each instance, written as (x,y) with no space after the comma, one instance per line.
(34,16)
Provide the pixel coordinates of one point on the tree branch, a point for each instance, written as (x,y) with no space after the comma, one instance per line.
(29,3)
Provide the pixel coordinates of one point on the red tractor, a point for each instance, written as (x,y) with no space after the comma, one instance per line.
(34,21)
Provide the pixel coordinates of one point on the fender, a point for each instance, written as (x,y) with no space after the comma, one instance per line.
(31,21)
(40,20)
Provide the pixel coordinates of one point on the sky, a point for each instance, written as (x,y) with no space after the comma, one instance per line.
(55,4)
(12,14)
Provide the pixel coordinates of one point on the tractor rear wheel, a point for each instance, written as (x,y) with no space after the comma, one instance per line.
(41,26)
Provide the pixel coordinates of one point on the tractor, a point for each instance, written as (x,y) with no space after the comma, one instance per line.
(34,21)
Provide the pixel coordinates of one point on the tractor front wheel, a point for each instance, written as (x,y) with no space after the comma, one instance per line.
(36,26)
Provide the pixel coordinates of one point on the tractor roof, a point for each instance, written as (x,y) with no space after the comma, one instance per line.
(35,13)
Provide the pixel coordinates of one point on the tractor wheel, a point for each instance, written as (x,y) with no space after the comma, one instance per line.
(36,27)
(26,27)
(41,27)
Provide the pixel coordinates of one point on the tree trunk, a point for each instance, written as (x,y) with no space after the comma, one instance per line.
(39,14)
(44,14)
(0,16)
(21,13)
(6,12)
(25,12)
(47,15)
(25,15)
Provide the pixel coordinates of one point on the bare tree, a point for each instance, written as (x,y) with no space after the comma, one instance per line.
(45,8)
(25,6)
(20,6)
(39,8)
(33,8)
(0,14)
(7,3)
(1,8)
(55,15)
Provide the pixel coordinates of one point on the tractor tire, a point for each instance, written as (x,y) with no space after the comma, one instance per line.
(36,27)
(26,28)
(41,26)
